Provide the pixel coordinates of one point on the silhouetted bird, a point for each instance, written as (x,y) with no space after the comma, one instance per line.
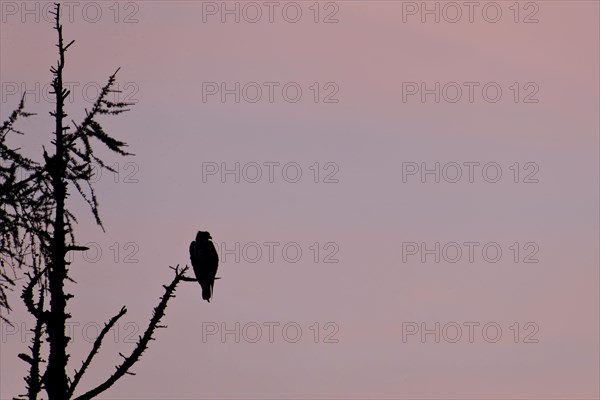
(205,261)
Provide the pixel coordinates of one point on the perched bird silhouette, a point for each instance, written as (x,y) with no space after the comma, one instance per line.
(205,261)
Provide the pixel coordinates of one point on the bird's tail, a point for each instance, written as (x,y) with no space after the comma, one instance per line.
(207,294)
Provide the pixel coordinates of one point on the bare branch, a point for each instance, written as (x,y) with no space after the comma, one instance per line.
(27,295)
(34,382)
(95,348)
(76,248)
(142,343)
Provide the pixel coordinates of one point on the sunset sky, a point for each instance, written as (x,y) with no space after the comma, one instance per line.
(346,251)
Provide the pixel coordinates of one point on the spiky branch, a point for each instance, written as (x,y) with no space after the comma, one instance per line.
(33,380)
(24,208)
(143,341)
(97,343)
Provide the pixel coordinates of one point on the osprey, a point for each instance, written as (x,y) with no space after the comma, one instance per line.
(205,261)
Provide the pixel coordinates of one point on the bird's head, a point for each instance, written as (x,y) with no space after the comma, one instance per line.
(202,236)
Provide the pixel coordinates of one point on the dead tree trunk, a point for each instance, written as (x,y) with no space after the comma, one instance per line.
(55,378)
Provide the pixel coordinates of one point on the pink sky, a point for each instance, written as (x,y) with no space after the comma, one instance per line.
(368,134)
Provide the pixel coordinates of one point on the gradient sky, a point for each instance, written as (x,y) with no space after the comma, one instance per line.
(160,200)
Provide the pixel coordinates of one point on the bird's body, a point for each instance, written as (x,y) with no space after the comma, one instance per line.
(205,262)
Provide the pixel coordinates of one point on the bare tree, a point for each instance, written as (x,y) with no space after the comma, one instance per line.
(37,233)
